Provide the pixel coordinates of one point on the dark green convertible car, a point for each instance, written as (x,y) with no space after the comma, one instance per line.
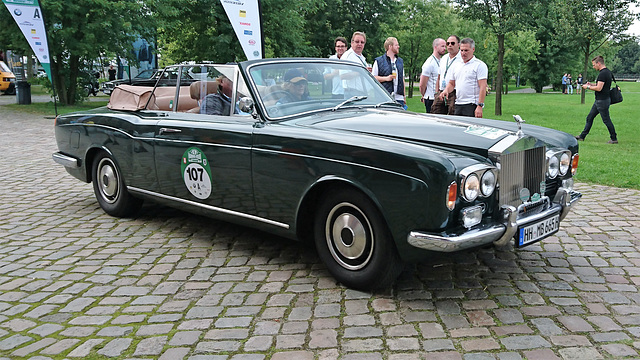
(317,150)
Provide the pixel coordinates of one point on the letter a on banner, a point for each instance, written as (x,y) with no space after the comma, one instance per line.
(246,21)
(28,15)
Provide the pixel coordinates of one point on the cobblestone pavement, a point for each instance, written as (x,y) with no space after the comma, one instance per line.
(77,283)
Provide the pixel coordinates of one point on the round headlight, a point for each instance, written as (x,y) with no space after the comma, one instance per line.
(488,183)
(565,163)
(553,168)
(471,187)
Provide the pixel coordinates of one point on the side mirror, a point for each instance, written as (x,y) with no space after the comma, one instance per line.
(246,105)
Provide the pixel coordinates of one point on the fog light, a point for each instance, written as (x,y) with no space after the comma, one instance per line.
(568,184)
(471,216)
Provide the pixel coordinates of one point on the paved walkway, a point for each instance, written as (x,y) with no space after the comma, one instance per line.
(76,283)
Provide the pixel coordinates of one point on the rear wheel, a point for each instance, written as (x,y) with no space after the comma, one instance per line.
(109,188)
(354,243)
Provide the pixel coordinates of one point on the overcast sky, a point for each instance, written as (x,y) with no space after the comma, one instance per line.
(635,27)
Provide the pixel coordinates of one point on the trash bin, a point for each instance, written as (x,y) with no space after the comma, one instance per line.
(23,92)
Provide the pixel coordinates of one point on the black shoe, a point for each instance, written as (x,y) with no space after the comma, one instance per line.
(579,138)
(612,142)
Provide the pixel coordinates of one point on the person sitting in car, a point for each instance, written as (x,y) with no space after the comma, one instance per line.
(295,86)
(218,103)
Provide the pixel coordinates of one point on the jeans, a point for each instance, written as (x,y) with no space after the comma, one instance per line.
(600,107)
(427,104)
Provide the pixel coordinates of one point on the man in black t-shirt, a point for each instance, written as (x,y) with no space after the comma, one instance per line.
(602,102)
(112,73)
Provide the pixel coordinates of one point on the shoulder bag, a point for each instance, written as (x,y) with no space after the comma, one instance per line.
(615,93)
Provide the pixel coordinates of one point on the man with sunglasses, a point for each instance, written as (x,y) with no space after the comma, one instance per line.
(354,54)
(448,63)
(353,84)
(295,87)
(469,79)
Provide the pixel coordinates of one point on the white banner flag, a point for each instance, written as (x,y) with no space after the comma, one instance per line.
(28,15)
(245,19)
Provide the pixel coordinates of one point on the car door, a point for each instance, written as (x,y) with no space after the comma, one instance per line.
(205,159)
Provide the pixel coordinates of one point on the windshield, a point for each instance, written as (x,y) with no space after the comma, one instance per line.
(146,74)
(4,67)
(291,88)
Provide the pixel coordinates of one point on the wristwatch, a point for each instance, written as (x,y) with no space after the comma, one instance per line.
(481,104)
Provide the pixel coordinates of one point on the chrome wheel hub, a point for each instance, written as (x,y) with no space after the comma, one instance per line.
(349,236)
(108,180)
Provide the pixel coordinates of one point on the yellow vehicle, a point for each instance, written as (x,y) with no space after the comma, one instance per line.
(7,79)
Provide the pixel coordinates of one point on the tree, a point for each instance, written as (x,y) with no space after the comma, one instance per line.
(333,18)
(590,24)
(80,31)
(501,17)
(195,31)
(627,59)
(416,24)
(520,47)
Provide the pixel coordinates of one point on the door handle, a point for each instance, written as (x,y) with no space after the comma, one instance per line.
(169,131)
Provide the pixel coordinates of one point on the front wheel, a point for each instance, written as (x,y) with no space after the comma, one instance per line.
(109,188)
(354,243)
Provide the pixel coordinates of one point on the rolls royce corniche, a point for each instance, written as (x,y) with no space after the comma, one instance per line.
(317,150)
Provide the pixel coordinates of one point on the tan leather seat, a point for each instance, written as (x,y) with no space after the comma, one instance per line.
(199,89)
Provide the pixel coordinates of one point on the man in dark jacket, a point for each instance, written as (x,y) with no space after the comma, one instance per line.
(389,70)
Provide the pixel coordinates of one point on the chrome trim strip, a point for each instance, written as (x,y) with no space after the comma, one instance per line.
(208,207)
(204,143)
(161,139)
(499,234)
(65,160)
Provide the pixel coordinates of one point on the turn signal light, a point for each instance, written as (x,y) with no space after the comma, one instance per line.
(574,164)
(452,192)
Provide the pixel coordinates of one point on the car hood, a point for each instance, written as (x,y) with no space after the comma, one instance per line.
(464,133)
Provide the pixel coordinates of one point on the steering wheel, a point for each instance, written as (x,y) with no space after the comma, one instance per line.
(277,95)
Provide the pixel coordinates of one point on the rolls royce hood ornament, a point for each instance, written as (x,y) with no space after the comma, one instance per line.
(519,121)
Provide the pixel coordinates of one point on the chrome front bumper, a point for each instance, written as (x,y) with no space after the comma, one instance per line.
(499,234)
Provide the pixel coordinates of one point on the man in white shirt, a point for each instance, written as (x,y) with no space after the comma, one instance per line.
(354,54)
(388,69)
(447,64)
(469,82)
(430,71)
(354,85)
(337,90)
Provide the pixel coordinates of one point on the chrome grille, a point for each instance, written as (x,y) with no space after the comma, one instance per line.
(522,169)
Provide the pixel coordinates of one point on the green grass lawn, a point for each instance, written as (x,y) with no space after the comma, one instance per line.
(600,163)
(49,109)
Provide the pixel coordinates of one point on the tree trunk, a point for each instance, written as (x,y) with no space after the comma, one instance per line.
(584,75)
(30,66)
(74,64)
(410,94)
(58,79)
(499,72)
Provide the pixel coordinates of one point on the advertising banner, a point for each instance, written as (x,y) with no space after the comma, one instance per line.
(245,19)
(28,15)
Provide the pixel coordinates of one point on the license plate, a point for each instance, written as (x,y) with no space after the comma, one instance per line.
(538,231)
